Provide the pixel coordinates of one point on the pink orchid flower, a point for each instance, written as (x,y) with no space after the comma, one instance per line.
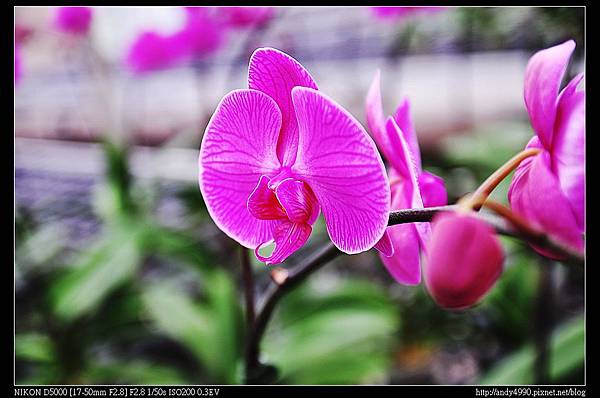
(549,188)
(243,17)
(277,153)
(411,187)
(73,20)
(464,260)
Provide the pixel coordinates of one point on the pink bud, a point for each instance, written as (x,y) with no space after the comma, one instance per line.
(464,260)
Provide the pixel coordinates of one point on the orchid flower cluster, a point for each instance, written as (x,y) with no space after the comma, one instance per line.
(277,154)
(204,32)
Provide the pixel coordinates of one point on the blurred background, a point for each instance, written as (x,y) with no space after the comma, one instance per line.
(122,277)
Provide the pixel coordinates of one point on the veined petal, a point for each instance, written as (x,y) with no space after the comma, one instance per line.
(263,204)
(543,76)
(433,190)
(340,162)
(275,74)
(568,148)
(404,121)
(298,200)
(536,195)
(238,148)
(385,245)
(288,237)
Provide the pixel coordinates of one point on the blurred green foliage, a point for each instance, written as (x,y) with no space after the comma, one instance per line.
(343,335)
(567,352)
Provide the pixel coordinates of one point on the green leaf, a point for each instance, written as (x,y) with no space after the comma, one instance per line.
(34,347)
(340,336)
(566,355)
(98,272)
(209,329)
(179,245)
(40,247)
(511,300)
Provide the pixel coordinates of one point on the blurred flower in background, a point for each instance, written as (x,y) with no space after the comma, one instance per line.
(395,14)
(200,35)
(73,20)
(243,17)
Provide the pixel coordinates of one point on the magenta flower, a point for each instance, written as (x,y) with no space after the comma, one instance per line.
(397,13)
(548,189)
(73,20)
(464,260)
(411,187)
(201,35)
(243,17)
(276,154)
(152,51)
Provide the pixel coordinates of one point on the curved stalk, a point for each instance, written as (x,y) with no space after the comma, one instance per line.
(475,200)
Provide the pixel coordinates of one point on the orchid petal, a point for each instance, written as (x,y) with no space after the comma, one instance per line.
(288,237)
(340,162)
(404,121)
(385,245)
(263,203)
(404,264)
(433,190)
(408,169)
(535,194)
(376,117)
(387,140)
(568,148)
(543,76)
(238,148)
(275,74)
(298,200)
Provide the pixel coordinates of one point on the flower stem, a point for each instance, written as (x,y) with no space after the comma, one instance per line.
(475,200)
(527,232)
(248,286)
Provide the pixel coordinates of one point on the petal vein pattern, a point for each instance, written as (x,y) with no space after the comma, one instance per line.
(340,162)
(238,148)
(276,74)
